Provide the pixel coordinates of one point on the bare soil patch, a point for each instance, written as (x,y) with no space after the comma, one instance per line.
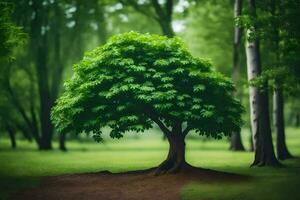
(134,185)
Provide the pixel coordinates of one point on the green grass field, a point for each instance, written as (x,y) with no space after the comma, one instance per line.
(22,168)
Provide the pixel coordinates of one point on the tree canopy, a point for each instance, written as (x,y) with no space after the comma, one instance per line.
(137,79)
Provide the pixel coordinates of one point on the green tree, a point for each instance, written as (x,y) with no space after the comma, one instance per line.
(31,83)
(259,99)
(285,68)
(278,29)
(11,36)
(136,80)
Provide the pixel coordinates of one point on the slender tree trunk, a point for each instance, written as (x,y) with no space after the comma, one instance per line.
(11,134)
(39,41)
(278,99)
(164,16)
(175,160)
(259,105)
(282,151)
(45,99)
(62,144)
(58,68)
(44,92)
(235,140)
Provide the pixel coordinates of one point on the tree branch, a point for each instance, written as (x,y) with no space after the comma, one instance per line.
(158,9)
(186,130)
(139,8)
(154,117)
(15,101)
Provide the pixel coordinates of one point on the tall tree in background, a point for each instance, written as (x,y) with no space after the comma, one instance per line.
(39,44)
(57,32)
(278,98)
(283,62)
(10,37)
(235,140)
(259,102)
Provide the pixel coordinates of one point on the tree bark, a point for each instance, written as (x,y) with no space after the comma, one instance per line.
(259,104)
(278,106)
(235,140)
(175,160)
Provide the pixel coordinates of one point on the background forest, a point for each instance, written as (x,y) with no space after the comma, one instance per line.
(42,39)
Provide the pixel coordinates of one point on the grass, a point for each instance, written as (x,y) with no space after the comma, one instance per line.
(23,167)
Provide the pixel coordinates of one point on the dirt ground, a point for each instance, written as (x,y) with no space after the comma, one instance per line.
(135,185)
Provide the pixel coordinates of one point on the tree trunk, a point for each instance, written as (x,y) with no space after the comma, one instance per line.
(259,104)
(175,160)
(235,140)
(167,28)
(62,144)
(12,137)
(282,151)
(39,42)
(45,99)
(264,151)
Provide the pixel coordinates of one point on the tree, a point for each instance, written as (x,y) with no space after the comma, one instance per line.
(278,98)
(53,28)
(10,37)
(259,102)
(236,141)
(282,73)
(286,39)
(135,80)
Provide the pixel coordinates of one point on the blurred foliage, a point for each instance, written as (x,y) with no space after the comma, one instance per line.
(209,32)
(58,32)
(10,34)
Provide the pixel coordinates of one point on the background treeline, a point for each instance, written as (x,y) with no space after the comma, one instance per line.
(46,37)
